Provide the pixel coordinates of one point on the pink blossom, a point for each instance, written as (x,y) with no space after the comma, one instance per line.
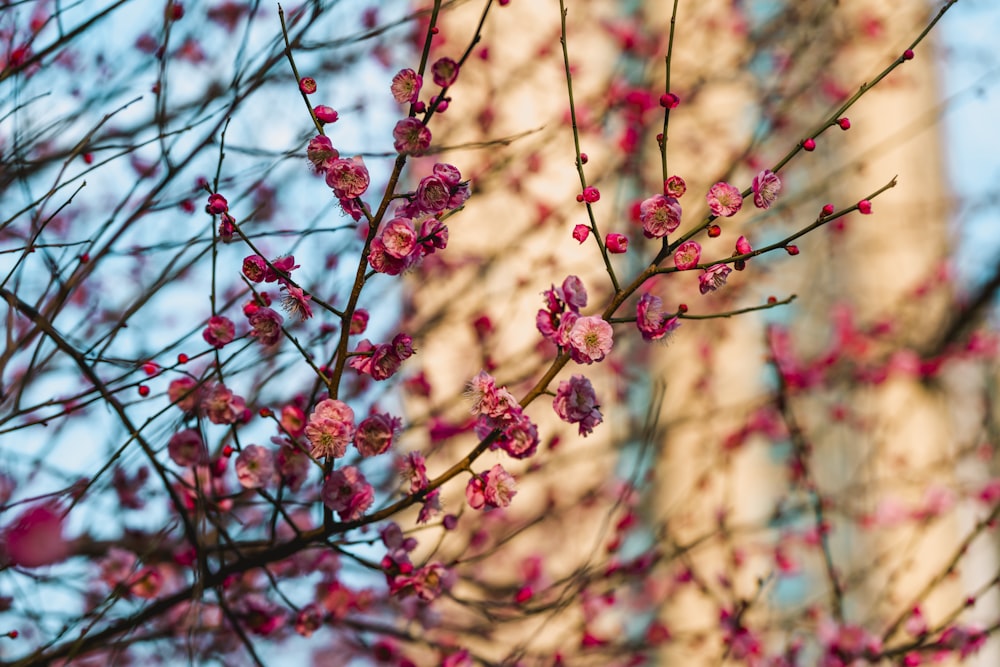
(766,185)
(581,232)
(433,236)
(433,194)
(675,186)
(325,114)
(222,406)
(431,506)
(308,620)
(488,399)
(413,470)
(254,268)
(348,493)
(185,393)
(743,246)
(266,325)
(591,195)
(296,302)
(724,200)
(713,278)
(406,86)
(650,320)
(448,173)
(219,332)
(293,465)
(490,490)
(687,255)
(518,437)
(411,137)
(660,215)
(616,243)
(282,266)
(35,537)
(399,238)
(382,261)
(574,293)
(186,448)
(348,177)
(374,434)
(255,467)
(321,153)
(576,403)
(590,339)
(359,321)
(444,72)
(217,204)
(330,428)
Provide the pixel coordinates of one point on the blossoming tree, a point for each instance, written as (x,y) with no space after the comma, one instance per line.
(223,440)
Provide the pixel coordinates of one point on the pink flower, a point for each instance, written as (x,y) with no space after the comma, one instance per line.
(660,215)
(687,255)
(591,195)
(321,152)
(590,339)
(766,186)
(574,293)
(308,620)
(330,428)
(186,448)
(675,186)
(581,232)
(399,238)
(255,467)
(217,204)
(219,332)
(374,434)
(406,86)
(432,194)
(348,178)
(616,243)
(254,268)
(266,325)
(35,537)
(488,399)
(222,406)
(724,200)
(743,246)
(325,114)
(650,320)
(359,322)
(411,137)
(865,207)
(444,72)
(296,302)
(347,493)
(494,488)
(713,278)
(498,487)
(185,393)
(519,436)
(307,85)
(413,470)
(576,403)
(293,465)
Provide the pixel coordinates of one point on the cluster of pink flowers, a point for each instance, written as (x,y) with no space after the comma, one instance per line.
(398,246)
(347,177)
(652,323)
(497,409)
(217,205)
(294,300)
(383,360)
(588,338)
(576,403)
(442,190)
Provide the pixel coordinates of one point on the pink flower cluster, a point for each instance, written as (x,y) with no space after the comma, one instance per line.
(295,301)
(576,403)
(427,582)
(588,338)
(442,190)
(217,205)
(348,177)
(214,401)
(398,245)
(497,409)
(383,360)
